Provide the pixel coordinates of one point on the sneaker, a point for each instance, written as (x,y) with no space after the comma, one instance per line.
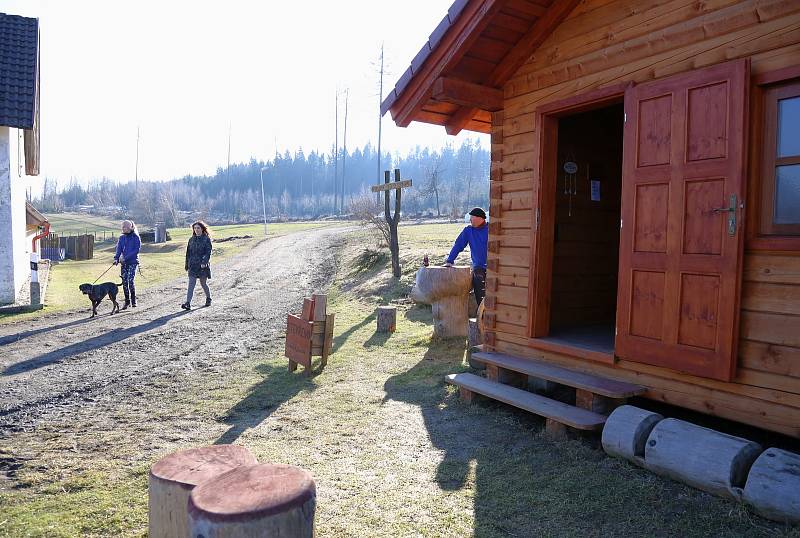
(186,306)
(208,301)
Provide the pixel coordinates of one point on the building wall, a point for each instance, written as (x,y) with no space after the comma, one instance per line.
(605,43)
(14,249)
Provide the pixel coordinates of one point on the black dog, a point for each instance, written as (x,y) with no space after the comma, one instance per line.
(97,293)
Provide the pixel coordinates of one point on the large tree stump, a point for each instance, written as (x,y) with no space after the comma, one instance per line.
(254,501)
(706,459)
(387,319)
(173,478)
(446,289)
(773,485)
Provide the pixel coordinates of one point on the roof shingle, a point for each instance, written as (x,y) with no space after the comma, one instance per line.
(19,55)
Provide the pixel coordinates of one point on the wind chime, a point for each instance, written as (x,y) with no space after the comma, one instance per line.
(570,179)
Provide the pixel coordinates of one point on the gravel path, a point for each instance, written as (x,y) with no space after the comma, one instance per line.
(63,359)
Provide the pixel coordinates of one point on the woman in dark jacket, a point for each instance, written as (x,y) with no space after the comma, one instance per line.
(198,253)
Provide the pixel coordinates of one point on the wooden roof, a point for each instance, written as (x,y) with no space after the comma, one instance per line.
(457,77)
(32,216)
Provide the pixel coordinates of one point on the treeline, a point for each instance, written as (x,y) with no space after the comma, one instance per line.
(446,182)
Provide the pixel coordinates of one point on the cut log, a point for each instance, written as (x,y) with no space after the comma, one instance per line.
(773,486)
(474,334)
(706,459)
(626,431)
(173,477)
(387,319)
(446,289)
(254,500)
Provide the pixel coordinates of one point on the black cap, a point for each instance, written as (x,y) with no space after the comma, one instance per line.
(478,212)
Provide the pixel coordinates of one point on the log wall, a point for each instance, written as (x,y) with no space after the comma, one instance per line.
(605,43)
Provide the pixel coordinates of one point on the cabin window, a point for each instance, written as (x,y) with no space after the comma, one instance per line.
(780,174)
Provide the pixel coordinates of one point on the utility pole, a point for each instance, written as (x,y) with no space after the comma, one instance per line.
(228,170)
(136,173)
(336,158)
(344,156)
(380,124)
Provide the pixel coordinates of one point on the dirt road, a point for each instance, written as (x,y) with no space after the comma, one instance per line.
(62,360)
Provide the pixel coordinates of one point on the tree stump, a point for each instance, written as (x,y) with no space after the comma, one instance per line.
(254,501)
(705,459)
(446,289)
(773,486)
(173,478)
(474,335)
(387,319)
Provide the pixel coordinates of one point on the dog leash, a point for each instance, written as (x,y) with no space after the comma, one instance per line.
(104,272)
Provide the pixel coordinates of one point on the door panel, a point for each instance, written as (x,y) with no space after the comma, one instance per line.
(680,263)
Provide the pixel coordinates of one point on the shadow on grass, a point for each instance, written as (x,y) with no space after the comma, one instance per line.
(97,342)
(277,387)
(338,341)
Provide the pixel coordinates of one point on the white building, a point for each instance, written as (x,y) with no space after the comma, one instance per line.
(19,146)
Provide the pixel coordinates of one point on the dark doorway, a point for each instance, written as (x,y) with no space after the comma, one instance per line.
(583,300)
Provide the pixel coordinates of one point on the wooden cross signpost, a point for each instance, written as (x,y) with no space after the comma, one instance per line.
(396,185)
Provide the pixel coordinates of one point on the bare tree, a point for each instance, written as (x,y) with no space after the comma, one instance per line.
(432,185)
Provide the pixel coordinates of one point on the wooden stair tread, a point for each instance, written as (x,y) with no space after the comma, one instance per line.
(610,388)
(576,417)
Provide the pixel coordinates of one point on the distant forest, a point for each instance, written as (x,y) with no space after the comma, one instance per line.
(446,183)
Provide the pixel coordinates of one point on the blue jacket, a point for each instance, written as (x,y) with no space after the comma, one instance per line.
(477,239)
(128,248)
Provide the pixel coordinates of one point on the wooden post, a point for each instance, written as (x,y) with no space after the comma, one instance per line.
(387,319)
(254,500)
(173,477)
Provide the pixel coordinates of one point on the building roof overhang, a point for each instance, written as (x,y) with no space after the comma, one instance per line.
(457,78)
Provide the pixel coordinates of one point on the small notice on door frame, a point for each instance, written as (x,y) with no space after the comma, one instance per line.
(595,190)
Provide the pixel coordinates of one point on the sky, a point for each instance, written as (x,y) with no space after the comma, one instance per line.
(188,73)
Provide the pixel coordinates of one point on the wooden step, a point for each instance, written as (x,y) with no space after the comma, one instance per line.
(602,386)
(539,405)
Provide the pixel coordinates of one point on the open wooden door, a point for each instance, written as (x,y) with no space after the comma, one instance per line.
(682,228)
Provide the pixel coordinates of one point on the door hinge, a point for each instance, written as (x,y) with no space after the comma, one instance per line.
(538,217)
(624,117)
(620,224)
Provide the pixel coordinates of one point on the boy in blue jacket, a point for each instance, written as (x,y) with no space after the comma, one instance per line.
(128,250)
(476,235)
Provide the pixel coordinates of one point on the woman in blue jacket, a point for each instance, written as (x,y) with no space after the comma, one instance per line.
(128,252)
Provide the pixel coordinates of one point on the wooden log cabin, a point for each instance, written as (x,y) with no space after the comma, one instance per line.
(644,189)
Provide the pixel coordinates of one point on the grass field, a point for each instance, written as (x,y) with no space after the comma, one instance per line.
(392,449)
(80,223)
(159,263)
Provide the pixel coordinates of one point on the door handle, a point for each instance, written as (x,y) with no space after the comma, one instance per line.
(731,211)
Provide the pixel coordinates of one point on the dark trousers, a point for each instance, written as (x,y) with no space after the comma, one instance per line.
(479,283)
(128,273)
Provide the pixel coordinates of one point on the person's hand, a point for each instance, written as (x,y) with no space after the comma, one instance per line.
(116,261)
(203,265)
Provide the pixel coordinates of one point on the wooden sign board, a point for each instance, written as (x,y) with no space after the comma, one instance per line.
(298,340)
(389,186)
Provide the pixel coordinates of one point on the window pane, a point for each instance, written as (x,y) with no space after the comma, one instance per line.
(789,127)
(787,194)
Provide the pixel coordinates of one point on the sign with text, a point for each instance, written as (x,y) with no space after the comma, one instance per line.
(389,186)
(298,340)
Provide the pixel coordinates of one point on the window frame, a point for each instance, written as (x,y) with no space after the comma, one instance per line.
(764,234)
